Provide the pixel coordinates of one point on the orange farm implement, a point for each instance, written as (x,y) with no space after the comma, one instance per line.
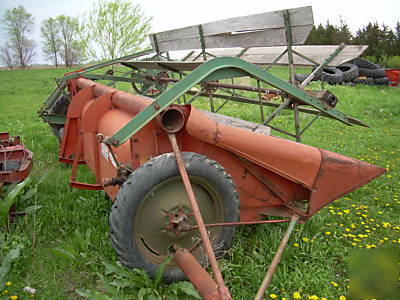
(181,178)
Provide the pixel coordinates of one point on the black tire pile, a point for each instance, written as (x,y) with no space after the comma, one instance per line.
(357,71)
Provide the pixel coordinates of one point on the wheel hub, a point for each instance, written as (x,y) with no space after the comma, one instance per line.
(165,215)
(179,220)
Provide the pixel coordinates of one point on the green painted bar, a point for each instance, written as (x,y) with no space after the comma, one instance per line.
(205,72)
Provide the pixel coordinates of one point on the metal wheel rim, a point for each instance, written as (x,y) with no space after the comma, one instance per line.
(150,235)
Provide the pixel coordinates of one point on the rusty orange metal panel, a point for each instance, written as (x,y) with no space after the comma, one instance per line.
(295,161)
(72,127)
(338,176)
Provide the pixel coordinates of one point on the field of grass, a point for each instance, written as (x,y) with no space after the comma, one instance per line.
(65,245)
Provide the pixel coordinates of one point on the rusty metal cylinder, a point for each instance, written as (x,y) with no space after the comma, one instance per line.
(173,118)
(203,282)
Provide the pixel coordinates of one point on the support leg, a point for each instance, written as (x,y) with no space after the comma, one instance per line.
(223,290)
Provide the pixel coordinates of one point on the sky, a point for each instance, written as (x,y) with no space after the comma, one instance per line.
(170,14)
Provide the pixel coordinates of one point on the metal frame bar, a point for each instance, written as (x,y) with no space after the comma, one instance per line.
(277,258)
(202,42)
(76,73)
(327,61)
(289,43)
(218,68)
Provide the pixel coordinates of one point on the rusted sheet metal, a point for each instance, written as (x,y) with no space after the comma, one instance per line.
(273,176)
(203,282)
(15,159)
(294,161)
(338,176)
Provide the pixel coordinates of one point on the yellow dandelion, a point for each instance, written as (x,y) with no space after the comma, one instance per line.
(305,240)
(13,297)
(296,245)
(313,297)
(342,298)
(296,295)
(327,233)
(8,283)
(347,229)
(5,292)
(334,284)
(273,296)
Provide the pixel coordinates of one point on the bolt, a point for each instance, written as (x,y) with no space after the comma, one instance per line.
(157,107)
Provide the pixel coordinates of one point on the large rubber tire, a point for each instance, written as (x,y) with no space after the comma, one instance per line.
(153,192)
(350,71)
(372,73)
(331,75)
(365,64)
(366,81)
(59,107)
(301,77)
(381,81)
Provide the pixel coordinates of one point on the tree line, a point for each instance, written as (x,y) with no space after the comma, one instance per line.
(116,28)
(383,41)
(110,30)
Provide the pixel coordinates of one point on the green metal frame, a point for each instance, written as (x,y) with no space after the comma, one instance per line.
(216,69)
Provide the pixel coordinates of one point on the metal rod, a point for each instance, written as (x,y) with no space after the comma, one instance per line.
(277,258)
(289,43)
(225,85)
(310,123)
(305,57)
(188,55)
(211,102)
(236,224)
(202,42)
(242,52)
(277,111)
(297,122)
(194,96)
(223,290)
(260,100)
(276,59)
(222,105)
(282,131)
(326,62)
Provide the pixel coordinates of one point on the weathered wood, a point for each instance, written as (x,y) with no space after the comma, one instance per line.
(318,53)
(258,56)
(163,65)
(228,30)
(268,37)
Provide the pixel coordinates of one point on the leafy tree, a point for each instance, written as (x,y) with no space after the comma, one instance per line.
(72,48)
(18,25)
(6,56)
(397,38)
(50,32)
(115,29)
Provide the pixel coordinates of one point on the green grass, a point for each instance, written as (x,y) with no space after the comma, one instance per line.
(70,215)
